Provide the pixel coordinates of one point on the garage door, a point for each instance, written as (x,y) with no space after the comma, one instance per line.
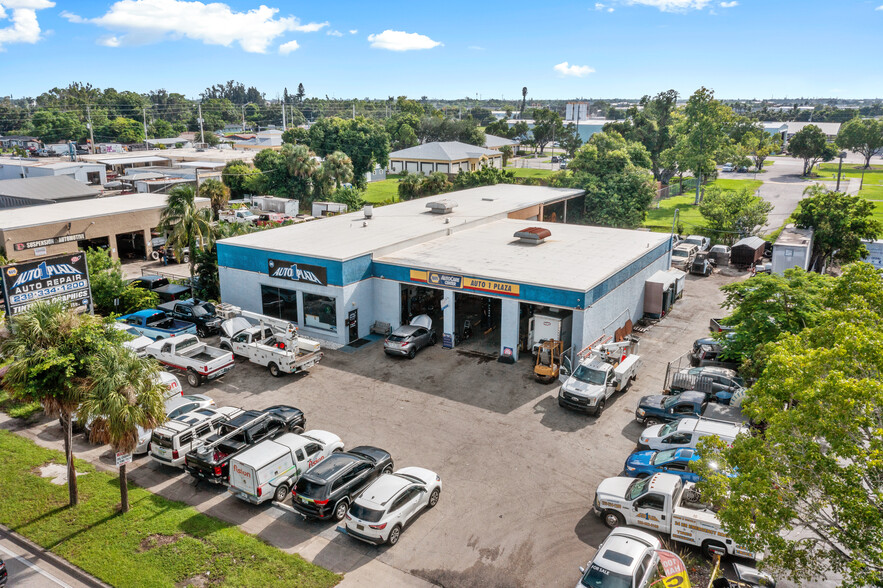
(426,168)
(443,167)
(411,166)
(395,166)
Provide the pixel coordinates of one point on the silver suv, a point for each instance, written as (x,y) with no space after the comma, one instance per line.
(626,559)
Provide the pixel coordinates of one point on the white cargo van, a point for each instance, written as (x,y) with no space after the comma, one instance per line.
(269,469)
(175,438)
(687,432)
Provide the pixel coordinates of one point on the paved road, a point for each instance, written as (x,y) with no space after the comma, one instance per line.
(28,567)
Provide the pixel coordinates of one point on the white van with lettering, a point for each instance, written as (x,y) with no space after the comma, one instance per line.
(268,470)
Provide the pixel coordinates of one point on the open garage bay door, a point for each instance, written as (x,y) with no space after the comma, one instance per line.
(477,325)
(417,300)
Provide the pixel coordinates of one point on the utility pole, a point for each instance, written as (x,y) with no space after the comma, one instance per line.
(354,110)
(283,116)
(144,119)
(243,118)
(91,134)
(201,131)
(196,171)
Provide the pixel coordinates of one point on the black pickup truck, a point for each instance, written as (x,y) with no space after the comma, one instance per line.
(202,314)
(211,461)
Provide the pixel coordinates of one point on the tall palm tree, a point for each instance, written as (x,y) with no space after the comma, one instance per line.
(51,347)
(123,394)
(301,164)
(523,101)
(186,225)
(217,192)
(339,168)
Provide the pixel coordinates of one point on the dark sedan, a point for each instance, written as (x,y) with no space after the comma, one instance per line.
(327,489)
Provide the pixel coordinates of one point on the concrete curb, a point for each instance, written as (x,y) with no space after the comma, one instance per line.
(59,562)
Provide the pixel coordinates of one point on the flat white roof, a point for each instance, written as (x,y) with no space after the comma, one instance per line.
(399,225)
(19,218)
(183,154)
(130,160)
(208,164)
(45,163)
(575,257)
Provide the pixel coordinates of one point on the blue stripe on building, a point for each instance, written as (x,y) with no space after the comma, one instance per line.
(629,271)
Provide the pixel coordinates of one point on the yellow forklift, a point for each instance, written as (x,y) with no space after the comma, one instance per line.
(548,361)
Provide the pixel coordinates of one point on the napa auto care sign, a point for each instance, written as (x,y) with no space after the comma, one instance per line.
(62,277)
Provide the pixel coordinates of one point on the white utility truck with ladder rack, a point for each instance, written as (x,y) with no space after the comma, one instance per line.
(604,367)
(273,343)
(667,505)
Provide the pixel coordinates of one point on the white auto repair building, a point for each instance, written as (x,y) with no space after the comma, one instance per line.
(479,261)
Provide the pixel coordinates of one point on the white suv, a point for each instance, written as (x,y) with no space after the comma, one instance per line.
(627,558)
(385,507)
(175,438)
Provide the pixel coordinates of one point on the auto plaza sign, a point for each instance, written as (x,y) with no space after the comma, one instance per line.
(464,283)
(297,272)
(62,277)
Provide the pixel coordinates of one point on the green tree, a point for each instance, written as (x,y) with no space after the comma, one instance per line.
(207,270)
(409,185)
(507,152)
(768,306)
(485,175)
(296,135)
(570,140)
(839,222)
(351,196)
(401,130)
(51,348)
(53,126)
(274,177)
(239,177)
(122,130)
(499,128)
(405,137)
(217,192)
(862,135)
(365,141)
(186,225)
(734,214)
(110,292)
(546,127)
(704,130)
(616,176)
(161,129)
(811,145)
(302,167)
(338,168)
(124,393)
(761,145)
(809,488)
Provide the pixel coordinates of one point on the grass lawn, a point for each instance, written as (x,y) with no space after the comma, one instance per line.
(157,543)
(872,176)
(16,408)
(659,219)
(529,172)
(382,191)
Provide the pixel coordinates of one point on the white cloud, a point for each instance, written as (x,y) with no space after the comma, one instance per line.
(150,21)
(286,48)
(401,41)
(673,5)
(334,33)
(110,41)
(732,4)
(354,31)
(603,7)
(575,71)
(72,17)
(24,27)
(879,7)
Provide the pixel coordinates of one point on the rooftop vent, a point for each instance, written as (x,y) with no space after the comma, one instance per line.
(533,235)
(368,210)
(441,206)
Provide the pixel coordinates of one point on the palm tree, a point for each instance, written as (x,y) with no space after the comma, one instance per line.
(51,347)
(186,225)
(301,162)
(123,394)
(523,101)
(339,168)
(217,192)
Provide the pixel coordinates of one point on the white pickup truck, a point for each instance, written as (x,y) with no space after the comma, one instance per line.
(240,215)
(270,469)
(602,371)
(273,343)
(187,353)
(667,505)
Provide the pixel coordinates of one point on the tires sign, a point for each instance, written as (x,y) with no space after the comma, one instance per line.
(62,277)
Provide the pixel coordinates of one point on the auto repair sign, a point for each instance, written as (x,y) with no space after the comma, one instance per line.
(63,277)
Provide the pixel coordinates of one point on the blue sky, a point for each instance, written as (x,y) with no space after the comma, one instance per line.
(453,49)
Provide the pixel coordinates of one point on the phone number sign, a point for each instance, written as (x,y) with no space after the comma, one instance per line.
(63,277)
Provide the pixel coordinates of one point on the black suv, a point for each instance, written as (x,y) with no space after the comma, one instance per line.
(327,489)
(211,462)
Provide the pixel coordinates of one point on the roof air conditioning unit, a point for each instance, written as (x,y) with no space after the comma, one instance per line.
(533,235)
(441,206)
(368,210)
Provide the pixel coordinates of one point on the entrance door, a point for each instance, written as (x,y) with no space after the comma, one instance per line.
(352,319)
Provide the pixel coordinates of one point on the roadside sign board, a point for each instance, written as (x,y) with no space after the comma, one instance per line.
(123,458)
(63,277)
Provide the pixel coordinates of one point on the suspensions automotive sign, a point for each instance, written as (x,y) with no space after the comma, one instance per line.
(63,277)
(297,272)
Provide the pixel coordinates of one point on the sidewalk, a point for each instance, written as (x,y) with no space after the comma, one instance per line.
(278,525)
(31,566)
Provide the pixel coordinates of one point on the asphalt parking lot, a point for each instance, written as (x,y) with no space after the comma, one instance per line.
(519,472)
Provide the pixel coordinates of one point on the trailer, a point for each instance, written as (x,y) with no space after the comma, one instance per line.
(747,252)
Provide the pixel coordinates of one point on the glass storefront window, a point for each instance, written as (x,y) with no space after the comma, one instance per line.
(279,303)
(320,312)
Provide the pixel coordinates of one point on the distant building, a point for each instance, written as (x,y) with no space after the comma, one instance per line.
(449,157)
(22,167)
(576,110)
(23,141)
(875,253)
(36,191)
(829,128)
(496,143)
(170,142)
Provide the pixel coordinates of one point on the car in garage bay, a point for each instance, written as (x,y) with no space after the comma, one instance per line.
(409,339)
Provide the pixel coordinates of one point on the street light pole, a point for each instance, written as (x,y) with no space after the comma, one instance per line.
(839,169)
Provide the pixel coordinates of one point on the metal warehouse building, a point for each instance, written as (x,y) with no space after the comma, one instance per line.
(479,259)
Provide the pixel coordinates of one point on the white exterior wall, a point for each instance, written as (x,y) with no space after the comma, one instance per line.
(79,173)
(787,256)
(387,302)
(624,302)
(509,324)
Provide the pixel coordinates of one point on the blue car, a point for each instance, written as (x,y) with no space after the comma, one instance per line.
(679,462)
